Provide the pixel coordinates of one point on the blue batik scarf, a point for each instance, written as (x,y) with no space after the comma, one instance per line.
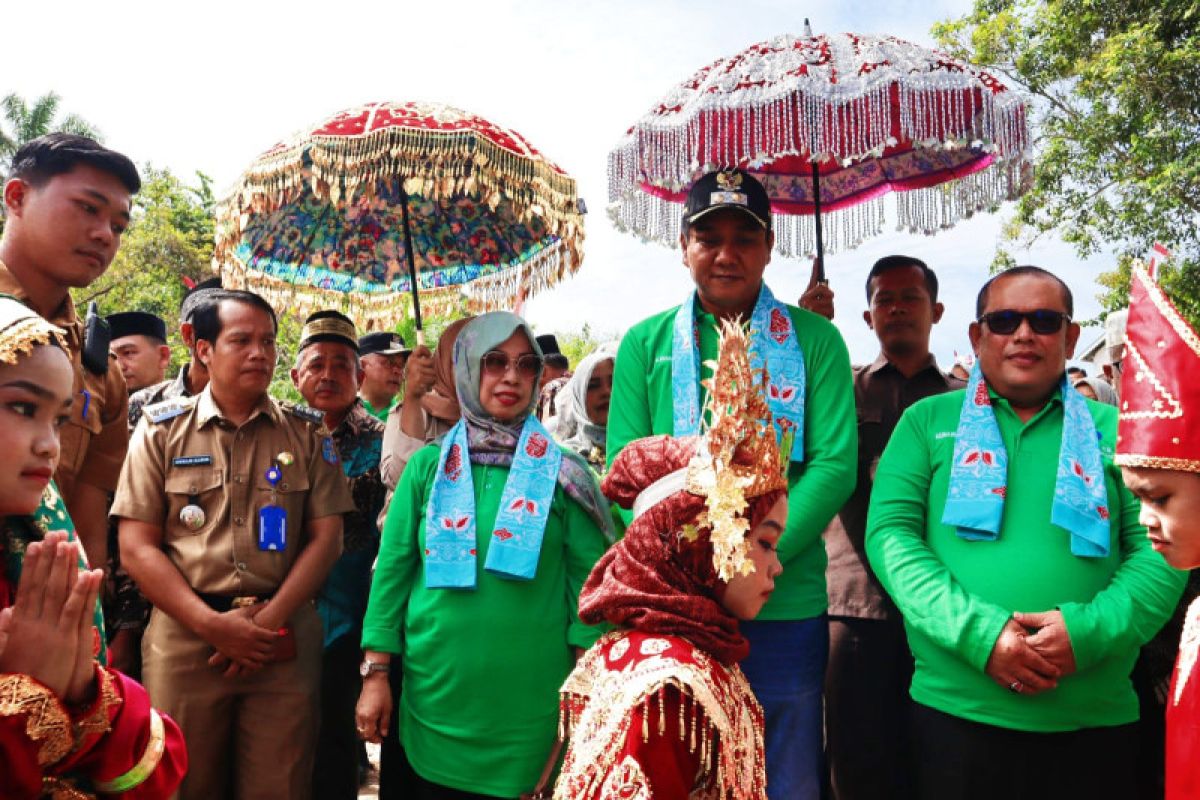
(979,474)
(772,340)
(536,465)
(450,558)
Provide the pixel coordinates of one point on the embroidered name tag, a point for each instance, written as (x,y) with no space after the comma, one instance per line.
(945,434)
(191,461)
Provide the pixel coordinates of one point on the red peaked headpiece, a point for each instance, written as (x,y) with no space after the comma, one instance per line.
(1160,384)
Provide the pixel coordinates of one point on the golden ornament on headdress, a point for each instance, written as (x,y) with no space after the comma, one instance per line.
(21,330)
(329,326)
(739,456)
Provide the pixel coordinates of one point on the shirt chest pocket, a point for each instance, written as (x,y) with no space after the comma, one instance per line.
(79,430)
(291,494)
(195,500)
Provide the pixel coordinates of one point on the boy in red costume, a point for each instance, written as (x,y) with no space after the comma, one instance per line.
(1158,449)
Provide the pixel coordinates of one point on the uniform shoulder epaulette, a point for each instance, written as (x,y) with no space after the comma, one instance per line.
(167,409)
(303,412)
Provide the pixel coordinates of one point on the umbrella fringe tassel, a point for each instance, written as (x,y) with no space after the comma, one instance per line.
(926,211)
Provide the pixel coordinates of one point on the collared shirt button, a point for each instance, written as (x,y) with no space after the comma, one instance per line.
(241,565)
(237,479)
(238,520)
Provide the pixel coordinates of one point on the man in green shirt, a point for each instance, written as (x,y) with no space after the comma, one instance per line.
(1024,632)
(381,356)
(727,242)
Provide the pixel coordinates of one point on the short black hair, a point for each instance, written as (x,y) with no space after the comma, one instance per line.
(889,263)
(558,361)
(1080,370)
(1026,269)
(40,159)
(206,314)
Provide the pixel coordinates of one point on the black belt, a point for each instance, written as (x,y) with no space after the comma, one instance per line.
(222,603)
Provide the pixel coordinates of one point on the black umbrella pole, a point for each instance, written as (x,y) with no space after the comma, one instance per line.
(817,222)
(412,262)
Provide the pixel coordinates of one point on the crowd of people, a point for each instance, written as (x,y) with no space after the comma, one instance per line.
(714,560)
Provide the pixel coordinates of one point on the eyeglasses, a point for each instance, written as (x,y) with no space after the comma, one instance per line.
(496,363)
(1041,320)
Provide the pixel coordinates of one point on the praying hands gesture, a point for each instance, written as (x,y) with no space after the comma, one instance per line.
(48,634)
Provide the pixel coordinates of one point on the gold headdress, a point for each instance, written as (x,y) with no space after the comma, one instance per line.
(22,329)
(739,456)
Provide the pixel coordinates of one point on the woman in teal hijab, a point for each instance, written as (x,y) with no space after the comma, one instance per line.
(488,540)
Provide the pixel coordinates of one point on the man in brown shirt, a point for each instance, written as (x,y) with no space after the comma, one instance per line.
(870,666)
(67,202)
(230,508)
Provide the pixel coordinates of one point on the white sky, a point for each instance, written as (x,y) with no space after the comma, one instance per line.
(209,85)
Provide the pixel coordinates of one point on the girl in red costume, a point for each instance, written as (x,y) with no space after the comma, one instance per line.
(69,727)
(659,708)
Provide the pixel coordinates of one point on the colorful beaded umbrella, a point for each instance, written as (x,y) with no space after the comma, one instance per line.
(829,124)
(388,205)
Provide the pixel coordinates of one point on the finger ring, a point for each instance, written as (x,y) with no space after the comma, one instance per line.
(1015,686)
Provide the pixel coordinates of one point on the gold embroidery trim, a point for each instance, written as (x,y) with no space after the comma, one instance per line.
(98,721)
(717,720)
(46,719)
(1142,372)
(1157,462)
(59,789)
(1167,309)
(19,339)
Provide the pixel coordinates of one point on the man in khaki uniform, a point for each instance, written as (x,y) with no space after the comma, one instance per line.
(67,202)
(233,649)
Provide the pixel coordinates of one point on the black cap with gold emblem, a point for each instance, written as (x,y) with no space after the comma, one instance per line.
(730,188)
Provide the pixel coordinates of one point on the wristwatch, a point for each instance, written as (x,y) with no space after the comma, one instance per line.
(369,667)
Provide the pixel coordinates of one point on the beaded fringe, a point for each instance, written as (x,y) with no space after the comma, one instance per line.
(927,211)
(673,145)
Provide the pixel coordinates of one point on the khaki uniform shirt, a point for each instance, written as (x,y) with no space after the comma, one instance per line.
(184,452)
(94,440)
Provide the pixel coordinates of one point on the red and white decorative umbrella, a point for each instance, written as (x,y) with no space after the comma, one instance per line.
(859,116)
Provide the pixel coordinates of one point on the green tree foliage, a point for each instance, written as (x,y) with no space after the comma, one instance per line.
(577,344)
(22,122)
(170,236)
(1116,112)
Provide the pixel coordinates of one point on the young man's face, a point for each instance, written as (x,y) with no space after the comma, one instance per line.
(902,313)
(241,362)
(70,227)
(1170,511)
(727,252)
(143,360)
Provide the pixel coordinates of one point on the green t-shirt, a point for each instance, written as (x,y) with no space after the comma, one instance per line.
(957,594)
(482,668)
(380,414)
(642,405)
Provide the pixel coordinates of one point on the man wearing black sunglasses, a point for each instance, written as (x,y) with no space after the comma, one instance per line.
(1003,531)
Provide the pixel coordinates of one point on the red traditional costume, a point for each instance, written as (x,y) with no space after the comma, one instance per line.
(659,708)
(1160,397)
(118,745)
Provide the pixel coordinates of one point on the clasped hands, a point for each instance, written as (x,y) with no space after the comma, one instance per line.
(1032,652)
(244,639)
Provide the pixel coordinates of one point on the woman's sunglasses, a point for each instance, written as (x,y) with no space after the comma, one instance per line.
(1041,320)
(496,363)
